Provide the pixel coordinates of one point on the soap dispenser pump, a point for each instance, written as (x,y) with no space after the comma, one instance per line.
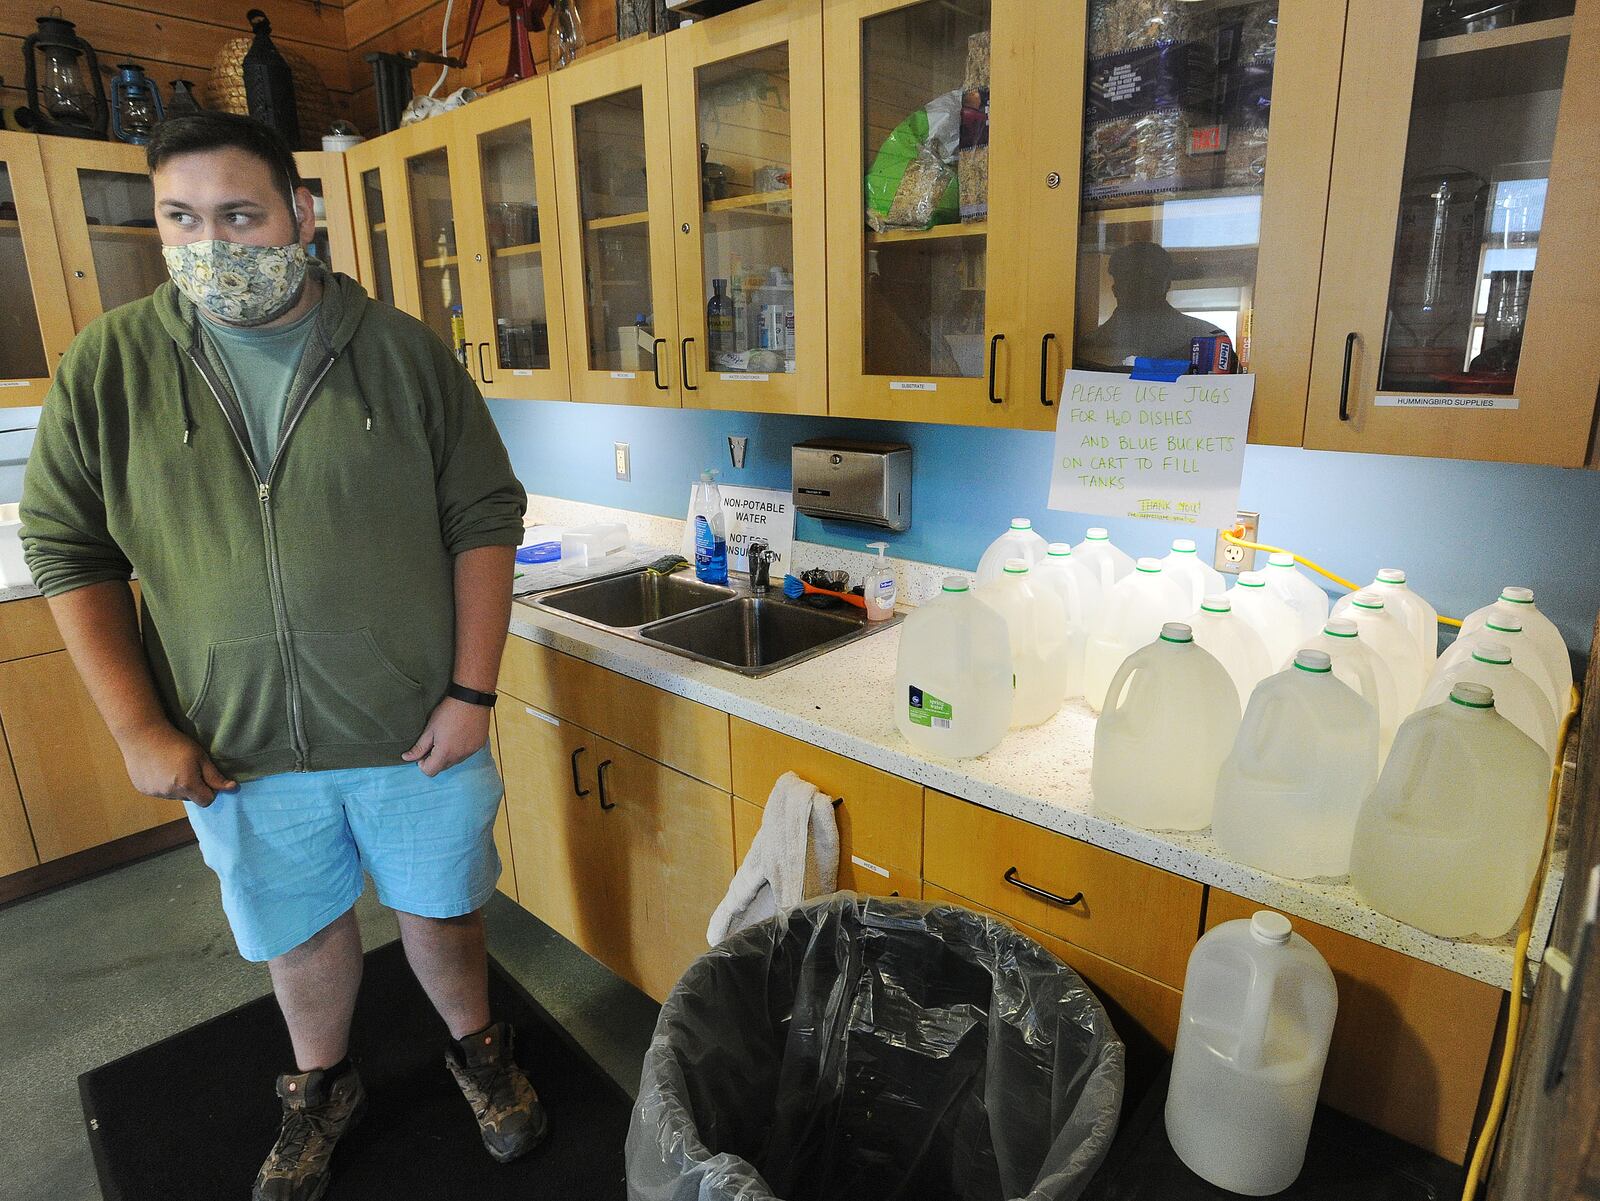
(880,586)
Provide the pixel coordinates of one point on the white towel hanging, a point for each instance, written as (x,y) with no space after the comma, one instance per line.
(795,855)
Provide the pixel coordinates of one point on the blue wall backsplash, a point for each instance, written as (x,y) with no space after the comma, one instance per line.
(1461,530)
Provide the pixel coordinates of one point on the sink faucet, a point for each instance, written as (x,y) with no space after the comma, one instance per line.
(759,557)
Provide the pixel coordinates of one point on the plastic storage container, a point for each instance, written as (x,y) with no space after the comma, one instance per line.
(952,682)
(1183,563)
(1253,1031)
(586,544)
(1517,698)
(1041,657)
(1357,667)
(1391,639)
(1265,612)
(777,1070)
(1135,609)
(1505,627)
(1305,759)
(1541,631)
(1018,542)
(1170,719)
(1450,838)
(1108,560)
(1078,590)
(1299,591)
(1233,643)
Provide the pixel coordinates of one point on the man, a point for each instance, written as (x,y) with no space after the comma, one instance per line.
(323,518)
(1144,323)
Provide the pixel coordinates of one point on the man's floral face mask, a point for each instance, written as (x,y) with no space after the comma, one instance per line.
(237,282)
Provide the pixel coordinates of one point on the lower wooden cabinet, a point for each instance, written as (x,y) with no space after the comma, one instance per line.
(507,883)
(16,840)
(857,873)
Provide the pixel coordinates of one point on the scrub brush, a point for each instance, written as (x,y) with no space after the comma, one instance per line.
(794,588)
(667,564)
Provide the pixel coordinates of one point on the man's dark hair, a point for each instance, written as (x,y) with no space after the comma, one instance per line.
(198,132)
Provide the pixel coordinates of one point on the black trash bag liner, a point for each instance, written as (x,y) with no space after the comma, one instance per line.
(869,1049)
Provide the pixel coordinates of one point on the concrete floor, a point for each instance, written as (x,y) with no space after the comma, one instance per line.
(103,967)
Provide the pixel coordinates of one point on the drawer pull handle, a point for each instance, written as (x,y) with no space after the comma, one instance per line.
(655,351)
(577,786)
(600,775)
(837,801)
(1034,890)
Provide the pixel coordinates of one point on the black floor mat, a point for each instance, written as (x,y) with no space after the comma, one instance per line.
(194,1115)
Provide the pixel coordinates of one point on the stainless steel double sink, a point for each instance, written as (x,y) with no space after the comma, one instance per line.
(725,626)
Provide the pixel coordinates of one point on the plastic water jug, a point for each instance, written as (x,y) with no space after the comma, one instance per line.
(1357,667)
(1305,758)
(1183,563)
(1450,838)
(952,683)
(1253,1031)
(1232,643)
(1109,561)
(1018,542)
(1391,639)
(1505,628)
(1078,590)
(1136,608)
(1040,655)
(1419,614)
(1541,631)
(1518,699)
(1264,611)
(1170,719)
(1294,588)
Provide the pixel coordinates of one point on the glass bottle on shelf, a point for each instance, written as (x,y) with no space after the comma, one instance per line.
(566,34)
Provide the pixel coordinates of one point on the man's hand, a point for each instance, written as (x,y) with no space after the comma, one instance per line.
(165,762)
(454,731)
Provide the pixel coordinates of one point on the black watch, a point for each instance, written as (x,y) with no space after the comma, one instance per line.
(471,695)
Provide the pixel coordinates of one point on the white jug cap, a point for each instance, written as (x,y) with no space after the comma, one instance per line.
(1342,627)
(1391,575)
(1176,631)
(1096,533)
(1183,546)
(1021,523)
(1509,624)
(1314,661)
(1473,696)
(1280,558)
(1016,567)
(1149,565)
(1059,549)
(1251,579)
(1368,600)
(956,583)
(1217,603)
(1517,596)
(1491,652)
(1269,927)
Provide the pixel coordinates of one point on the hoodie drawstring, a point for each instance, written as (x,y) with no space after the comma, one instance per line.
(362,393)
(183,395)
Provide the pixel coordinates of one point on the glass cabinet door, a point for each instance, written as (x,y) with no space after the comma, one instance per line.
(1450,326)
(36,323)
(323,174)
(430,214)
(376,270)
(747,182)
(104,208)
(613,164)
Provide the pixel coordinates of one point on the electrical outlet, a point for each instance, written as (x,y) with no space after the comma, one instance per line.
(624,466)
(1232,559)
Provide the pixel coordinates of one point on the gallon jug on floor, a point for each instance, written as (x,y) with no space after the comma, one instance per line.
(952,683)
(1540,630)
(1357,667)
(1296,589)
(1305,758)
(1505,627)
(1134,611)
(1183,564)
(1109,562)
(1253,1033)
(1264,611)
(1078,590)
(1518,699)
(1040,654)
(1391,639)
(1170,719)
(1450,838)
(1018,542)
(1235,645)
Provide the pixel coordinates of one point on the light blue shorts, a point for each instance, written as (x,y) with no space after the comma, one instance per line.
(290,849)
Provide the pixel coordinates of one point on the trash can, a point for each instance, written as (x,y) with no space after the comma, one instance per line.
(874,1049)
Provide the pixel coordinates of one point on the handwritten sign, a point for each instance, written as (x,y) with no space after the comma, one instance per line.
(765,513)
(1163,451)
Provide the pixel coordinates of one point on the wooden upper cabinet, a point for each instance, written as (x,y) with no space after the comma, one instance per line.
(422,230)
(333,245)
(613,152)
(38,323)
(746,102)
(1459,296)
(372,169)
(510,255)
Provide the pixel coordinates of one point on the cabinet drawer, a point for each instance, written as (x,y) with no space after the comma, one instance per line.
(854,877)
(663,727)
(881,817)
(1139,916)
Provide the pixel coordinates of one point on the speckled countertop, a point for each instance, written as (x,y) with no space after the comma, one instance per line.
(841,701)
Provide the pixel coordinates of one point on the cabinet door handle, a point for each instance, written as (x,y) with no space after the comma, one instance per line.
(1044,369)
(577,785)
(994,348)
(1034,890)
(655,352)
(600,775)
(1350,341)
(483,371)
(683,363)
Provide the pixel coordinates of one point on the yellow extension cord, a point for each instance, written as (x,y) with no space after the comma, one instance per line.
(1519,966)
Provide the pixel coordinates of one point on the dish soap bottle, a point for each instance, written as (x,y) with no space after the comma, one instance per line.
(880,587)
(710,531)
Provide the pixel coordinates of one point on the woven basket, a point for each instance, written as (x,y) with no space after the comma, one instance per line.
(225,90)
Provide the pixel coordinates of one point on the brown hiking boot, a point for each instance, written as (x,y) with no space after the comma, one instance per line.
(317,1113)
(510,1117)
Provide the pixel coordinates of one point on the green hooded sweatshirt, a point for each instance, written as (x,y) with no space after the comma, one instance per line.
(297,622)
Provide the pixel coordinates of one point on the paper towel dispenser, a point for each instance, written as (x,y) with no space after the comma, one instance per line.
(850,480)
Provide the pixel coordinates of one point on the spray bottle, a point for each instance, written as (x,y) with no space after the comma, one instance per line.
(710,531)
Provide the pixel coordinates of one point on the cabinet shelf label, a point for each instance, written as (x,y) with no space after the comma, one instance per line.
(1406,400)
(911,385)
(624,375)
(745,377)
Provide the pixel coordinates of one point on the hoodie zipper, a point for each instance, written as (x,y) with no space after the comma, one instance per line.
(280,613)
